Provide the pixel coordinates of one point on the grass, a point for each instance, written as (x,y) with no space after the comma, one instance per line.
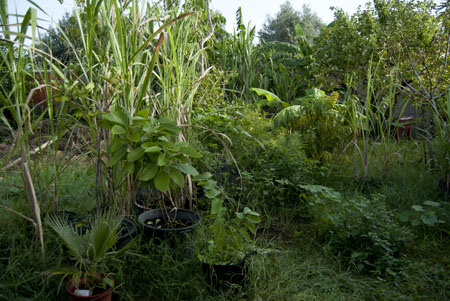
(292,264)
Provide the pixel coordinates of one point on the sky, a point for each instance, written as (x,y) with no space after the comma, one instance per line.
(254,11)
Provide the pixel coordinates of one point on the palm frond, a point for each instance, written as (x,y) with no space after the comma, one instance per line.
(74,241)
(104,234)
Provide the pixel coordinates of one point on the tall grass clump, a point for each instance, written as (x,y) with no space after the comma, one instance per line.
(19,61)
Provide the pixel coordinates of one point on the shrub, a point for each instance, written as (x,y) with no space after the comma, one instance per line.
(321,122)
(272,162)
(360,230)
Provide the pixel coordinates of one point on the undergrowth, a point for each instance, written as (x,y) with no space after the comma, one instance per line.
(295,260)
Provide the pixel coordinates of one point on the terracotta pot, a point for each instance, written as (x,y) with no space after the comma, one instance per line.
(103,296)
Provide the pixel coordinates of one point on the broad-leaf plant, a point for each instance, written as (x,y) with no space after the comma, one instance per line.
(146,150)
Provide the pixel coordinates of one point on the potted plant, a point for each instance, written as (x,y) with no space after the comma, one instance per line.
(145,150)
(224,254)
(88,277)
(81,223)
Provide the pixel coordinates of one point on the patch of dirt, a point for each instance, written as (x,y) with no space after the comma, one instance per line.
(4,149)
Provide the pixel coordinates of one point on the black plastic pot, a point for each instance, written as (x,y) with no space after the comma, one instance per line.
(77,222)
(182,216)
(127,233)
(140,207)
(216,274)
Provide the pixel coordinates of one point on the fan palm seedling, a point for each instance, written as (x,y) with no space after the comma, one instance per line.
(89,250)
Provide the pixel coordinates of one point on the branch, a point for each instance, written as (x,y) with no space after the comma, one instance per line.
(210,34)
(415,72)
(403,79)
(211,26)
(37,149)
(445,63)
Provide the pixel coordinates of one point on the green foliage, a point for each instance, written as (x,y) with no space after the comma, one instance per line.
(272,162)
(285,68)
(230,233)
(144,147)
(224,127)
(441,140)
(89,250)
(423,215)
(360,229)
(271,99)
(178,72)
(65,40)
(402,33)
(282,67)
(236,54)
(320,121)
(282,28)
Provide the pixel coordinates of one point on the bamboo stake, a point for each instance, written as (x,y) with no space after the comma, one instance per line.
(33,152)
(31,196)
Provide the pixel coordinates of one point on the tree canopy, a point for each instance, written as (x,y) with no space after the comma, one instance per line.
(282,27)
(403,35)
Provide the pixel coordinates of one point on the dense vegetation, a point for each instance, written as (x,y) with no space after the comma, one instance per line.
(286,146)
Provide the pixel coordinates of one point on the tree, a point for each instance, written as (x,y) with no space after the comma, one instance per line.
(401,34)
(58,45)
(282,27)
(310,23)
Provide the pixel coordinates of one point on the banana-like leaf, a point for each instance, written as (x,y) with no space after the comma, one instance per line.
(288,116)
(272,99)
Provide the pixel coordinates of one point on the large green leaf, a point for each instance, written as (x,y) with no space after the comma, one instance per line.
(190,151)
(135,154)
(314,92)
(117,143)
(143,113)
(288,117)
(244,234)
(148,172)
(186,168)
(163,159)
(253,218)
(129,167)
(269,95)
(135,136)
(117,130)
(170,126)
(212,193)
(162,181)
(271,99)
(150,147)
(177,177)
(117,117)
(117,156)
(216,205)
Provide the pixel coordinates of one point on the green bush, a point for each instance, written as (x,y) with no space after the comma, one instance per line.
(321,122)
(272,162)
(273,167)
(360,230)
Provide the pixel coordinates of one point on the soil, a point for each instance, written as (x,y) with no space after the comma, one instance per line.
(4,149)
(161,223)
